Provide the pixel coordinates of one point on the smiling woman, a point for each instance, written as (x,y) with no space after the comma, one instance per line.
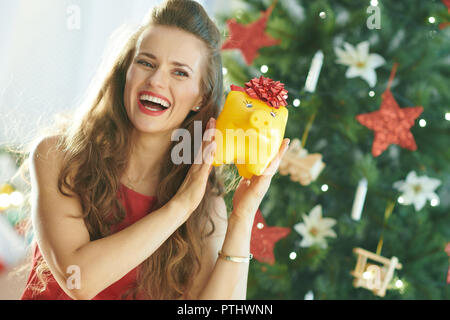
(173,69)
(97,177)
(169,67)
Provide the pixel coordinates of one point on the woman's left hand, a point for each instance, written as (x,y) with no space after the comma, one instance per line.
(250,192)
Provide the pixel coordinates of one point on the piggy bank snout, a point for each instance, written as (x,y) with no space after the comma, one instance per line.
(260,119)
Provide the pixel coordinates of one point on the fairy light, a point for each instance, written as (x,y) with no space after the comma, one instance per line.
(16,198)
(371,94)
(260,225)
(434,202)
(324,188)
(309,295)
(322,15)
(431,20)
(264,69)
(401,200)
(399,283)
(447,116)
(296,102)
(292,255)
(422,123)
(374,3)
(224,71)
(367,275)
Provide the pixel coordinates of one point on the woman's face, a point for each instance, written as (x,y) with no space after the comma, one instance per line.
(163,80)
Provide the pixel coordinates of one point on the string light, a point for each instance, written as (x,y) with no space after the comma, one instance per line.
(371,94)
(447,116)
(374,3)
(401,200)
(292,255)
(260,225)
(296,102)
(16,198)
(309,295)
(431,20)
(323,15)
(399,283)
(422,123)
(434,202)
(264,69)
(324,188)
(224,71)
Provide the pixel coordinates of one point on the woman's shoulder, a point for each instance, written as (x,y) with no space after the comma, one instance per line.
(46,148)
(46,156)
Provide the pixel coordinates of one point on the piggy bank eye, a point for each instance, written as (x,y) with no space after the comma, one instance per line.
(248,104)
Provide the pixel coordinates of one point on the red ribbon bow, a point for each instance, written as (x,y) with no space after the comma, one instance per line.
(271,92)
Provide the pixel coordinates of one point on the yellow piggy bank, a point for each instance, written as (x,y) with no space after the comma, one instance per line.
(251,126)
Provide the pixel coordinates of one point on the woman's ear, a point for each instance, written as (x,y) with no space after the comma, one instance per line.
(198,105)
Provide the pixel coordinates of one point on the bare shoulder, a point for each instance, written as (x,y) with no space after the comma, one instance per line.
(46,160)
(46,149)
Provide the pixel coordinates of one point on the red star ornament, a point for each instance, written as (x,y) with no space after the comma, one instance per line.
(249,38)
(264,238)
(391,124)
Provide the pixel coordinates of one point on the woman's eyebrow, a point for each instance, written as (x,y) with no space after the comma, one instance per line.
(179,64)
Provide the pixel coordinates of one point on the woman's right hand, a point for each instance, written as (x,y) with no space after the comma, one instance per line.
(193,188)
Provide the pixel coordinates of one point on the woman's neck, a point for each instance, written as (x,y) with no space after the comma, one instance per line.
(147,156)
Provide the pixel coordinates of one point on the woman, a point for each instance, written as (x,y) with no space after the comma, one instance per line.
(96,182)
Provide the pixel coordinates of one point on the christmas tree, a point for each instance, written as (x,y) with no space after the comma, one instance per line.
(368,174)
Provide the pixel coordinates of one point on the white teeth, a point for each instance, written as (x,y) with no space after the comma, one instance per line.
(151,109)
(155,100)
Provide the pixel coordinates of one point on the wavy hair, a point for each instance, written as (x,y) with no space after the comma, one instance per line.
(96,147)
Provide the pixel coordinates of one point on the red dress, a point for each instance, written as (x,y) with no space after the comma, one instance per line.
(137,206)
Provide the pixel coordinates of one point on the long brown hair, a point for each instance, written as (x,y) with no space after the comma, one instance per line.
(96,148)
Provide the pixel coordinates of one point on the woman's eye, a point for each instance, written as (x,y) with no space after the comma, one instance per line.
(181,73)
(149,65)
(145,63)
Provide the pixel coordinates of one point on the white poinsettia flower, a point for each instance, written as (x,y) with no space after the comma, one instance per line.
(314,228)
(360,62)
(417,190)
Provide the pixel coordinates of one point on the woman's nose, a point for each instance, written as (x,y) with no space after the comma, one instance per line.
(157,78)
